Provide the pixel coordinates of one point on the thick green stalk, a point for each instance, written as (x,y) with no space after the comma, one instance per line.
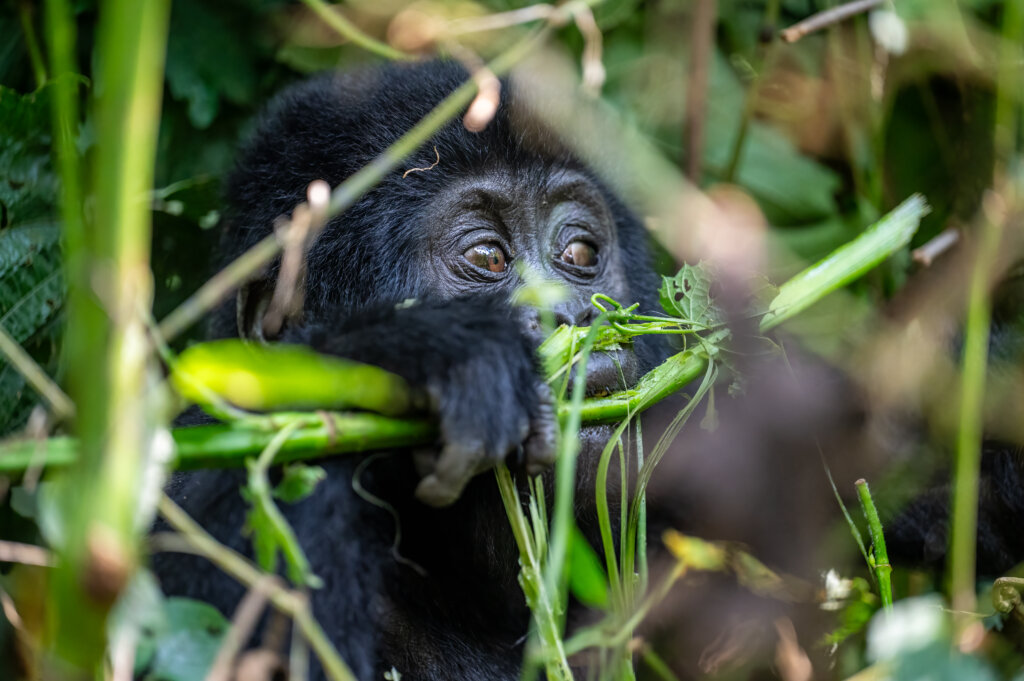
(109,281)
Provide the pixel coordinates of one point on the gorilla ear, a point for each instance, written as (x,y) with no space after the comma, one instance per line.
(251,306)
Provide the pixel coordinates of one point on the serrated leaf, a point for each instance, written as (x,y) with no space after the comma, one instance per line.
(28,184)
(31,300)
(298,482)
(688,296)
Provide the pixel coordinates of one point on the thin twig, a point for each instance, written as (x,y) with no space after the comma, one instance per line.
(433,165)
(307,222)
(827,18)
(61,405)
(494,22)
(243,622)
(925,255)
(234,564)
(330,15)
(219,287)
(25,554)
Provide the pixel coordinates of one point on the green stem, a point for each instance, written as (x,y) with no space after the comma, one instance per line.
(297,564)
(35,55)
(964,519)
(880,564)
(108,281)
(348,30)
(538,597)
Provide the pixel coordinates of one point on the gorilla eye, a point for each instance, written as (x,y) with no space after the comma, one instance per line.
(580,253)
(486,257)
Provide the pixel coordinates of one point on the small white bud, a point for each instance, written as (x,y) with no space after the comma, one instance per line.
(889,31)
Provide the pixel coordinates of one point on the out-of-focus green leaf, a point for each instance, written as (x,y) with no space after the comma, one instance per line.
(183,644)
(789,187)
(587,580)
(207,60)
(848,262)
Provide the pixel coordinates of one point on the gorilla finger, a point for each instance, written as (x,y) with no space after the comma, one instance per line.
(541,445)
(457,464)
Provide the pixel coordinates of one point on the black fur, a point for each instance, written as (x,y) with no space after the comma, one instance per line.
(461,613)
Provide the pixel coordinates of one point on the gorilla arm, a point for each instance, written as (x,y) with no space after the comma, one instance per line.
(478,370)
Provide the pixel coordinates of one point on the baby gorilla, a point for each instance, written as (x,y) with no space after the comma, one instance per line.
(453,239)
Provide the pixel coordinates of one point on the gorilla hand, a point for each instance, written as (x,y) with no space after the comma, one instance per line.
(478,368)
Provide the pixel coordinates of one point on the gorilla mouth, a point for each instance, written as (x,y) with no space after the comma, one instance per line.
(608,372)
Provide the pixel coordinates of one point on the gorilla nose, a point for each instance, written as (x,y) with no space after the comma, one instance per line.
(609,371)
(575,313)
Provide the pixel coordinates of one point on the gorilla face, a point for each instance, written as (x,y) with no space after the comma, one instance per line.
(482,232)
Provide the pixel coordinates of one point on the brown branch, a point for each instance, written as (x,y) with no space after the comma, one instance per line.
(702,46)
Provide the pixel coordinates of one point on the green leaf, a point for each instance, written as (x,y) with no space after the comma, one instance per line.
(688,295)
(186,642)
(298,482)
(265,378)
(587,580)
(203,67)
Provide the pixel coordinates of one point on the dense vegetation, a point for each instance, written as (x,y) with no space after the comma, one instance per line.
(758,148)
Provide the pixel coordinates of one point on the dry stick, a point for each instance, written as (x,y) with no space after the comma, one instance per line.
(243,622)
(927,254)
(348,30)
(593,70)
(702,46)
(25,554)
(288,602)
(493,22)
(826,18)
(307,222)
(61,405)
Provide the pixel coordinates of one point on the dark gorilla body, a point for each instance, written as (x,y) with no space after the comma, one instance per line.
(459,612)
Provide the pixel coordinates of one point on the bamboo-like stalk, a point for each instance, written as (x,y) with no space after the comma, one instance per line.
(109,281)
